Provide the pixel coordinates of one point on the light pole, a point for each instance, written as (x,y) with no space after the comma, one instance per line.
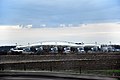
(16,44)
(110,42)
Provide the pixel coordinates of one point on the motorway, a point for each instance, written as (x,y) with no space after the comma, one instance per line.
(33,78)
(33,75)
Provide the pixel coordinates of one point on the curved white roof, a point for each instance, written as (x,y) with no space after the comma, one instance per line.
(63,43)
(7,44)
(92,45)
(55,43)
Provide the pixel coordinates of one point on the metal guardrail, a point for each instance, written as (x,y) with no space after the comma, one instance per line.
(27,61)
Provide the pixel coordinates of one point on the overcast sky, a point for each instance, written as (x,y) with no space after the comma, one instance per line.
(93,21)
(55,12)
(102,33)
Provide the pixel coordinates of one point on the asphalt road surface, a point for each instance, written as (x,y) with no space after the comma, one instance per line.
(17,75)
(32,78)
